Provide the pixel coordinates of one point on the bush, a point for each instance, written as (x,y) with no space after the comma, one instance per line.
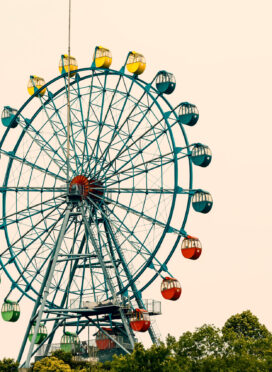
(51,364)
(8,365)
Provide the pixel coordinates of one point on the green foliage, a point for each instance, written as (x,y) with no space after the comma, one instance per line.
(8,365)
(242,345)
(65,356)
(77,365)
(245,325)
(155,359)
(51,364)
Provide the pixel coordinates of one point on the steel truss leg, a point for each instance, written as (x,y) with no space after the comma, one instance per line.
(46,285)
(128,274)
(106,276)
(66,293)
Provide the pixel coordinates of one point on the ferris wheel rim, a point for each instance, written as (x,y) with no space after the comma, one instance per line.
(142,84)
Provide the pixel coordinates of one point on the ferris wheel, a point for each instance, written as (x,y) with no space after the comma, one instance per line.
(93,212)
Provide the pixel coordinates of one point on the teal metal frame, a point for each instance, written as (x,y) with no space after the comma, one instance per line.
(123,130)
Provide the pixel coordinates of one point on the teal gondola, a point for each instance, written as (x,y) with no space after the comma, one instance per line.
(165,82)
(7,117)
(201,155)
(188,114)
(202,202)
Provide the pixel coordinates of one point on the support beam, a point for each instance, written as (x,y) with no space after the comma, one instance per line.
(52,265)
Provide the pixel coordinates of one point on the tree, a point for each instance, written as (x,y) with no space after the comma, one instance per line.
(155,359)
(65,356)
(242,345)
(8,365)
(245,325)
(77,365)
(51,364)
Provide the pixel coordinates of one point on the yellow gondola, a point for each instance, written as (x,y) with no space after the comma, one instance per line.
(136,63)
(64,64)
(34,84)
(102,57)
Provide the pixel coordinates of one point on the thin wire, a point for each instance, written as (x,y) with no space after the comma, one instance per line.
(68,99)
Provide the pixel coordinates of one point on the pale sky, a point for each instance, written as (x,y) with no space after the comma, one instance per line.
(220,53)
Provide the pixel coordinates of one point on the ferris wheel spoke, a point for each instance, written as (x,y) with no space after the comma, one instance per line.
(124,147)
(36,253)
(90,98)
(92,104)
(143,136)
(30,207)
(125,135)
(31,229)
(16,256)
(135,190)
(84,128)
(100,122)
(121,256)
(18,220)
(50,119)
(136,249)
(104,154)
(148,255)
(42,143)
(76,123)
(141,171)
(103,121)
(85,123)
(63,127)
(12,156)
(129,231)
(112,98)
(60,132)
(157,159)
(153,220)
(42,189)
(140,152)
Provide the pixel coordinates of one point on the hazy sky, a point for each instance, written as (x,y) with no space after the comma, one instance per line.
(220,53)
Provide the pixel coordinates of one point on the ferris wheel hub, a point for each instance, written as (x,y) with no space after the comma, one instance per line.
(81,187)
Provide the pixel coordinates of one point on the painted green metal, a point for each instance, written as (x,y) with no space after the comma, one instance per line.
(70,342)
(10,311)
(41,336)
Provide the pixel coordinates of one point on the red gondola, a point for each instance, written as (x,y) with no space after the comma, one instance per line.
(140,320)
(170,289)
(103,342)
(191,248)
